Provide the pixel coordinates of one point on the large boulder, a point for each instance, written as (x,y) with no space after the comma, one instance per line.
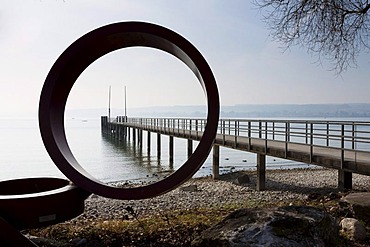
(353,229)
(359,205)
(284,226)
(242,179)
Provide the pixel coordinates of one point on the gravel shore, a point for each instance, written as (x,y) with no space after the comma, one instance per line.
(281,185)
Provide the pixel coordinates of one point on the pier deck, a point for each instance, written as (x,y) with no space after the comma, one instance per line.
(340,145)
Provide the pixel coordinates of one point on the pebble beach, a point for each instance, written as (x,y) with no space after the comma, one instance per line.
(281,185)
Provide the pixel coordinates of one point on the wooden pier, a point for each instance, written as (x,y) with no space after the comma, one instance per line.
(341,145)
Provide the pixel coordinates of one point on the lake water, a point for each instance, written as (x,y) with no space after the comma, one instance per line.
(22,154)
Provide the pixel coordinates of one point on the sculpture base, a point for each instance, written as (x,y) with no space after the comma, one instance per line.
(38,202)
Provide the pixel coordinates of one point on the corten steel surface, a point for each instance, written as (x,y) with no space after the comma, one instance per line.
(37,202)
(77,57)
(11,237)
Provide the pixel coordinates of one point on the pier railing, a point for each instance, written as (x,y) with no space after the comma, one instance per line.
(341,145)
(344,135)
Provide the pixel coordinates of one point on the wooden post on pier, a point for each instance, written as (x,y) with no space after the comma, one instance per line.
(140,135)
(216,162)
(119,132)
(190,147)
(114,133)
(148,144)
(139,139)
(104,124)
(171,149)
(261,172)
(137,135)
(344,180)
(134,136)
(158,145)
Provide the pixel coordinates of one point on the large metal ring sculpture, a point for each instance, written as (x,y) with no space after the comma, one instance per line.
(77,57)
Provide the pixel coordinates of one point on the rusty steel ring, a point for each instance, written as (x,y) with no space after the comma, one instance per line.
(76,58)
(38,202)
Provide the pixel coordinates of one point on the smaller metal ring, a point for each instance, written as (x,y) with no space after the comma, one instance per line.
(37,202)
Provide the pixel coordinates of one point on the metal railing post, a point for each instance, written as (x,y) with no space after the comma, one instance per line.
(229,127)
(259,129)
(196,128)
(353,135)
(223,131)
(306,132)
(311,142)
(286,138)
(327,134)
(249,135)
(178,126)
(235,134)
(342,148)
(266,137)
(183,126)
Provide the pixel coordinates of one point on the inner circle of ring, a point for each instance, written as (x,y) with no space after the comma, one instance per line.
(76,58)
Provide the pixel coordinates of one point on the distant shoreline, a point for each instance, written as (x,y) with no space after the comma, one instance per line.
(351,110)
(308,111)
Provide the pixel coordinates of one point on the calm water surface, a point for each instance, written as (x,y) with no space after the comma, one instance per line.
(22,154)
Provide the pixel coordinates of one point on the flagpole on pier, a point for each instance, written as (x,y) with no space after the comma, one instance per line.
(125,101)
(109,98)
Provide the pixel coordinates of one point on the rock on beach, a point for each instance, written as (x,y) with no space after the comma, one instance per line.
(298,226)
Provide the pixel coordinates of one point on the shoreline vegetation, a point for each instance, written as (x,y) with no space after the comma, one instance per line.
(177,217)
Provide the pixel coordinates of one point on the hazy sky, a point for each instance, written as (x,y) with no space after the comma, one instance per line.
(248,66)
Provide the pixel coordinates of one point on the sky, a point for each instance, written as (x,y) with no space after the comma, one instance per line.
(249,67)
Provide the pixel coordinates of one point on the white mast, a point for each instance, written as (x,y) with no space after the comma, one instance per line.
(125,101)
(109,98)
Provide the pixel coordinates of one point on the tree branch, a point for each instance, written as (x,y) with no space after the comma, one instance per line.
(337,30)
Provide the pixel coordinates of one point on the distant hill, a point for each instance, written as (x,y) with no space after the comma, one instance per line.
(238,111)
(296,110)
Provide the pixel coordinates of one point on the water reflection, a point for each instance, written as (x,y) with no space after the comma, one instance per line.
(143,167)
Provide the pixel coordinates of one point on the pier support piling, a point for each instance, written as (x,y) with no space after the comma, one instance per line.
(261,172)
(344,180)
(134,136)
(121,133)
(140,135)
(104,124)
(148,144)
(190,147)
(158,145)
(216,162)
(118,133)
(171,148)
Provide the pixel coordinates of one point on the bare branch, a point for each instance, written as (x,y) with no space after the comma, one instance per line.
(337,30)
